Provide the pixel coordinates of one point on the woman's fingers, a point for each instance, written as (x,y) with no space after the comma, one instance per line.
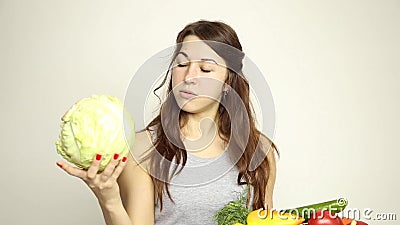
(108,171)
(73,171)
(119,168)
(112,170)
(94,168)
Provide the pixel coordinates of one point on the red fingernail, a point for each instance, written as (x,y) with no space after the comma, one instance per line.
(124,159)
(116,155)
(98,157)
(59,164)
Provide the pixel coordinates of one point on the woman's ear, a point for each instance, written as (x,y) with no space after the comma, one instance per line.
(226,87)
(228,81)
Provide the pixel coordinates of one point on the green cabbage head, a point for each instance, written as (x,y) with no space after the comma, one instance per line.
(98,124)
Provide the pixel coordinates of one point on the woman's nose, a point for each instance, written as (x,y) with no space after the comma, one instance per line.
(192,72)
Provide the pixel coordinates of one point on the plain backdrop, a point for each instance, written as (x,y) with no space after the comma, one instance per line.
(332,66)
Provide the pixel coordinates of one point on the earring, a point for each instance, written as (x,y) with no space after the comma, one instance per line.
(224,95)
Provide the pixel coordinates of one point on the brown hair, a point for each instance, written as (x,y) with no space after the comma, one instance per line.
(165,151)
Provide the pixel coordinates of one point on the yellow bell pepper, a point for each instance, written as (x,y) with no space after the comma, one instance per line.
(264,217)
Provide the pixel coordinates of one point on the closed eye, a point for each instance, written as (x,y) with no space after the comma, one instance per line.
(205,71)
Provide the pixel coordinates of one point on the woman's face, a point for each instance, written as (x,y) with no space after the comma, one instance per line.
(198,76)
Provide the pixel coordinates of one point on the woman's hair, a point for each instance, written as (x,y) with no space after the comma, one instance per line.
(165,151)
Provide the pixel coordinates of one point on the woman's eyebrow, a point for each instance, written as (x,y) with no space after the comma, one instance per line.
(209,60)
(203,59)
(184,54)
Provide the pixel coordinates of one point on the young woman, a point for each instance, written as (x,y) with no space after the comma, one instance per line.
(195,156)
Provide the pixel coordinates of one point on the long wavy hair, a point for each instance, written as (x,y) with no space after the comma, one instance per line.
(169,147)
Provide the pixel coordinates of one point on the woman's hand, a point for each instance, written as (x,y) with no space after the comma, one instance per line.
(104,185)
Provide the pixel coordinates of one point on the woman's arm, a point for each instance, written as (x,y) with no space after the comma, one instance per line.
(104,186)
(136,187)
(137,198)
(124,190)
(271,179)
(115,214)
(269,149)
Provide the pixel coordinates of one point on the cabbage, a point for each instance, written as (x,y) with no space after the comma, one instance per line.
(95,125)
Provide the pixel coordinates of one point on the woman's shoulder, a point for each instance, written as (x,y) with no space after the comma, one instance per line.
(144,137)
(268,148)
(142,147)
(266,143)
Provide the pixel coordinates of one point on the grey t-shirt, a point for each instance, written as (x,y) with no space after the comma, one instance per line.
(203,187)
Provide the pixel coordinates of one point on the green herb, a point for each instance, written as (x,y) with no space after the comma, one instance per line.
(233,212)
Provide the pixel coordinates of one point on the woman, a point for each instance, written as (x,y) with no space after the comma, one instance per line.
(194,157)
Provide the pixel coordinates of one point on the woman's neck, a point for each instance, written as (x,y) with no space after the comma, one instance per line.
(198,126)
(200,130)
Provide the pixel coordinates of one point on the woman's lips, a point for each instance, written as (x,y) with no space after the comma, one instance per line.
(187,94)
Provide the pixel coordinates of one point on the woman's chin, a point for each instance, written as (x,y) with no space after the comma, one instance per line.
(191,109)
(198,104)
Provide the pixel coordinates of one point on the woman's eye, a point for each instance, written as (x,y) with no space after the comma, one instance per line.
(181,65)
(205,71)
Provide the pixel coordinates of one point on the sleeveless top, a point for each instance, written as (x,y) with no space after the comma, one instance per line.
(204,186)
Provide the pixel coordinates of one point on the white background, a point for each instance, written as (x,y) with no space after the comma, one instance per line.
(332,66)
